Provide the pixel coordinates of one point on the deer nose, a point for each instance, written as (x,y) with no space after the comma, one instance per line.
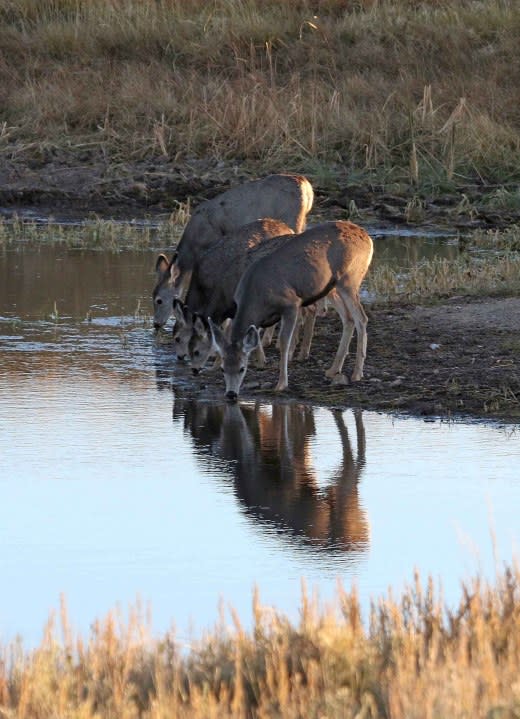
(157,326)
(181,358)
(231,396)
(195,370)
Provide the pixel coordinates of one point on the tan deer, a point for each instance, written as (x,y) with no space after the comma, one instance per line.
(329,259)
(287,198)
(213,284)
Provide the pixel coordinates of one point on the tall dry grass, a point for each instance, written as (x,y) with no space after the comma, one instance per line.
(412,658)
(416,91)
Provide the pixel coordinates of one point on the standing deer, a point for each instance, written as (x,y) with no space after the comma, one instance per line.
(287,198)
(330,258)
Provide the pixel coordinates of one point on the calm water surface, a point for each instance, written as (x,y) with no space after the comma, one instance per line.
(120,479)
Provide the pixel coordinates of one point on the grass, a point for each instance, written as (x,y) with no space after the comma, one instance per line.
(488,264)
(420,92)
(96,233)
(412,657)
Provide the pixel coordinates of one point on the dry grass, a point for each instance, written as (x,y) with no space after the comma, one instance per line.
(412,658)
(488,263)
(415,91)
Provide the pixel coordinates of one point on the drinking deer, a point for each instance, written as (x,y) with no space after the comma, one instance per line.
(329,259)
(213,283)
(287,198)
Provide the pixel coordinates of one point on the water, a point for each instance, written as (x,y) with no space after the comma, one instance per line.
(120,480)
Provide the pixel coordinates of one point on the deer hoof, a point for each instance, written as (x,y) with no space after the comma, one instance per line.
(339,378)
(357,376)
(331,373)
(280,387)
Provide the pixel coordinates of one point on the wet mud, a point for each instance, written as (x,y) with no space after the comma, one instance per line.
(459,358)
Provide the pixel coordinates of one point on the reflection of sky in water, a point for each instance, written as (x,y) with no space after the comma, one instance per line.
(105,497)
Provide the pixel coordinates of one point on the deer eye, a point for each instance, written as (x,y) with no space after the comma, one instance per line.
(196,353)
(177,339)
(242,370)
(159,301)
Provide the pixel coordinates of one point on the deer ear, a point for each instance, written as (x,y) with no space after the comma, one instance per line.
(218,336)
(252,339)
(199,327)
(162,264)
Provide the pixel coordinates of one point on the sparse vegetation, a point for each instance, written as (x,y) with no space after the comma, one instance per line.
(488,264)
(414,657)
(422,93)
(95,233)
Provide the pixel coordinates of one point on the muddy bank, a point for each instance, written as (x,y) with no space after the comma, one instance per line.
(64,185)
(459,357)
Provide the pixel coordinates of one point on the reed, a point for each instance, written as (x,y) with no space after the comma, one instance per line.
(418,92)
(411,657)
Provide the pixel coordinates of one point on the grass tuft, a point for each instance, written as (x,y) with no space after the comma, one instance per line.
(412,657)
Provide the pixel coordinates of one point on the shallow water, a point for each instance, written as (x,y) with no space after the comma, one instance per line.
(120,479)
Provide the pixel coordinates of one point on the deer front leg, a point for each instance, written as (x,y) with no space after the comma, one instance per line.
(287,325)
(267,337)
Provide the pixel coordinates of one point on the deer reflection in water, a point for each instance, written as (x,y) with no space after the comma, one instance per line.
(268,452)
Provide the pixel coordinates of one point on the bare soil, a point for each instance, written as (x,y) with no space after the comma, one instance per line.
(457,358)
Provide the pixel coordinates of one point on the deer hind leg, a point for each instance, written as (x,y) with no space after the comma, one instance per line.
(310,315)
(360,319)
(288,323)
(335,370)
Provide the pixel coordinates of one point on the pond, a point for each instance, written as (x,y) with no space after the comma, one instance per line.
(120,480)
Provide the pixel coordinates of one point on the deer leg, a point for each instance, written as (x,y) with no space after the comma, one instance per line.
(309,320)
(358,315)
(335,370)
(289,318)
(267,337)
(296,334)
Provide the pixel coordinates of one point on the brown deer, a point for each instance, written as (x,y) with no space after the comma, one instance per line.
(287,198)
(329,259)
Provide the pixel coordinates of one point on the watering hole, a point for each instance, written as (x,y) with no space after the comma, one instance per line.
(121,480)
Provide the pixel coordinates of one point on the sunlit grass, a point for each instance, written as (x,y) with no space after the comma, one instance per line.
(416,92)
(96,233)
(489,263)
(411,657)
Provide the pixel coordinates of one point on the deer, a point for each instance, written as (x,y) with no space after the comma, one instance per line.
(330,259)
(213,283)
(284,197)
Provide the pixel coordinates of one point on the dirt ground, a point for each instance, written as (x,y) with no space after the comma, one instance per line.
(458,358)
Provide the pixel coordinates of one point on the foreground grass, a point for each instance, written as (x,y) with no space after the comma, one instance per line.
(413,658)
(421,92)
